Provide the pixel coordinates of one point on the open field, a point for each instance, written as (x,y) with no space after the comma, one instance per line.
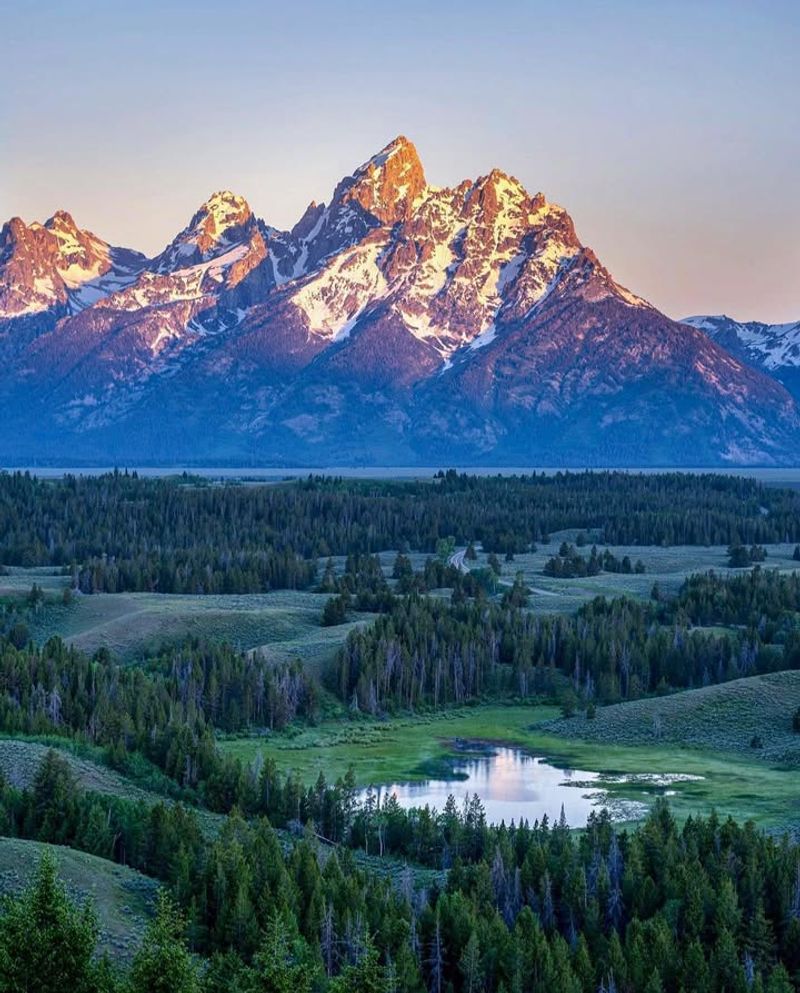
(668,567)
(20,758)
(413,748)
(19,581)
(285,624)
(122,897)
(282,625)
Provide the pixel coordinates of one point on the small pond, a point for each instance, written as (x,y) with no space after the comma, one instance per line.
(515,785)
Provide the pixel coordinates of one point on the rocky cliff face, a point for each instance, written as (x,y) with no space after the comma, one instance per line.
(399,323)
(56,266)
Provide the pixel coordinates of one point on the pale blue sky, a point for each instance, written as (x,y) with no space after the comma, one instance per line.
(670,130)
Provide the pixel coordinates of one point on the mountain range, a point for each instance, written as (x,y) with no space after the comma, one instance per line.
(399,324)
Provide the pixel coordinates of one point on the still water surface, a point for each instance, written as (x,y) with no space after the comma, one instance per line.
(787,476)
(513,785)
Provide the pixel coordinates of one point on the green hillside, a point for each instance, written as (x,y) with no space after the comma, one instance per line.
(123,898)
(724,717)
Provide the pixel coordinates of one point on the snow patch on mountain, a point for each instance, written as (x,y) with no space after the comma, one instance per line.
(332,301)
(484,338)
(57,266)
(153,289)
(223,221)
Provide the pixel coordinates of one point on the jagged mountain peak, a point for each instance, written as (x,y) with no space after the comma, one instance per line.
(82,256)
(29,279)
(499,180)
(400,150)
(381,192)
(61,220)
(225,209)
(387,184)
(12,231)
(397,146)
(222,222)
(308,221)
(57,267)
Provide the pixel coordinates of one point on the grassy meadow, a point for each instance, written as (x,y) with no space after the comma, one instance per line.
(281,625)
(414,748)
(725,717)
(286,623)
(668,567)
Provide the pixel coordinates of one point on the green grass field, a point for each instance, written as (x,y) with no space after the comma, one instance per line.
(413,748)
(122,897)
(19,581)
(382,751)
(20,758)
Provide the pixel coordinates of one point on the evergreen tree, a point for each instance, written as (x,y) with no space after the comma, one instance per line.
(46,942)
(366,976)
(163,963)
(281,965)
(470,966)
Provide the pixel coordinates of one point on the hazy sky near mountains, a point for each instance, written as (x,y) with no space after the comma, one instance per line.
(669,130)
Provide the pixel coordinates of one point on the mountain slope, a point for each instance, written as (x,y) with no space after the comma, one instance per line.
(771,348)
(588,371)
(401,322)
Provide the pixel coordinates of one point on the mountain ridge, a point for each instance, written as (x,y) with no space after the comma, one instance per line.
(770,348)
(399,321)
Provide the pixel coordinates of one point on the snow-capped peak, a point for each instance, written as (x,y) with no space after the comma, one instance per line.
(224,210)
(398,146)
(61,221)
(57,267)
(222,222)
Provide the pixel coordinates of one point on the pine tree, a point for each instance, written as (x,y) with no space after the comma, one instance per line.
(366,976)
(654,984)
(779,981)
(470,965)
(280,965)
(46,942)
(163,963)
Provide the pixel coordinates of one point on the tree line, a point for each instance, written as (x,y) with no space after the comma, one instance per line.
(166,709)
(426,652)
(119,532)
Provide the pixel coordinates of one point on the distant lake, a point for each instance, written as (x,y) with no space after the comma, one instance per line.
(272,474)
(514,785)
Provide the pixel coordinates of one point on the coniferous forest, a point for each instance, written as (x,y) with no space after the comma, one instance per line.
(187,535)
(271,882)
